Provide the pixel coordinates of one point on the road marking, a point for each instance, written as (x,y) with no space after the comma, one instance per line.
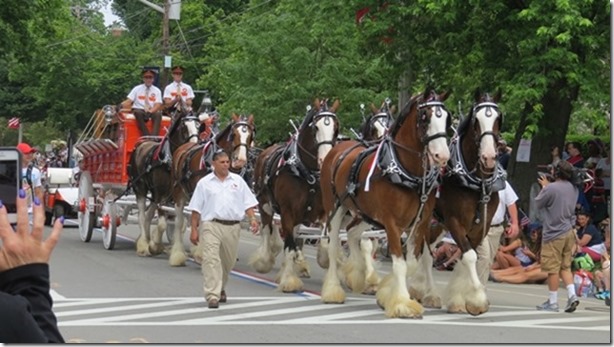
(359,307)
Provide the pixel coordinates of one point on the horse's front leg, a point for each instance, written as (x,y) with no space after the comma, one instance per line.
(332,292)
(178,256)
(392,294)
(293,264)
(359,262)
(142,243)
(465,292)
(155,244)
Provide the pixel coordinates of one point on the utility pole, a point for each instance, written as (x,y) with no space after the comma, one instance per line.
(171,10)
(165,34)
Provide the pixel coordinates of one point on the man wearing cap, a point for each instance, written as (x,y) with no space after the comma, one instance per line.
(178,90)
(145,100)
(31,176)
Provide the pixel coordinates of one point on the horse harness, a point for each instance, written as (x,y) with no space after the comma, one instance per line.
(457,168)
(287,158)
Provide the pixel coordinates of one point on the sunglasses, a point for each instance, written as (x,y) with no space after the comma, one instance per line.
(177,73)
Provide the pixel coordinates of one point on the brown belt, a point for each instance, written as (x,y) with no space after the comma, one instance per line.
(496,225)
(226,222)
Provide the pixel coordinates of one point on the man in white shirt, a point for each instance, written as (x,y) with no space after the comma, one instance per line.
(219,203)
(488,248)
(145,101)
(178,90)
(31,176)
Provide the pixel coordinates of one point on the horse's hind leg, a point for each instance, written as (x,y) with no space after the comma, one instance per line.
(178,256)
(465,292)
(355,268)
(142,243)
(368,249)
(422,284)
(155,244)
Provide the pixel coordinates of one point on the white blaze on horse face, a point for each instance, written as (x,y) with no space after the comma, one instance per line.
(325,134)
(380,128)
(192,131)
(438,148)
(488,147)
(239,158)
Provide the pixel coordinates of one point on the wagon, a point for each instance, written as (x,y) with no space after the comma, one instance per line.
(106,146)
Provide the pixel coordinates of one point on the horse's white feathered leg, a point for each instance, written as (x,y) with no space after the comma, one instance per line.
(155,244)
(142,243)
(178,256)
(393,296)
(262,260)
(332,292)
(465,293)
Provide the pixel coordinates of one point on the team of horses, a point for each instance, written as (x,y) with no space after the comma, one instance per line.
(408,174)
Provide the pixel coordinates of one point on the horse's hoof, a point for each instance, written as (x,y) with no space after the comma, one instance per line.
(415,294)
(431,301)
(475,310)
(456,309)
(372,290)
(380,305)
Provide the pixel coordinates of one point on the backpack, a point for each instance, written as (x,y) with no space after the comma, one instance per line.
(583,262)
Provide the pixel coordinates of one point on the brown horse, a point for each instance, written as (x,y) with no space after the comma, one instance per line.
(286,181)
(375,126)
(192,161)
(150,172)
(390,185)
(467,201)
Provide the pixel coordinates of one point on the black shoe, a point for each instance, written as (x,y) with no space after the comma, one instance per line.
(223,296)
(213,303)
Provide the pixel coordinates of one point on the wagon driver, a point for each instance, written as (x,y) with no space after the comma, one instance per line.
(145,101)
(178,90)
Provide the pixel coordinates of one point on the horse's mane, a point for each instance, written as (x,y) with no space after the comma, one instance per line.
(396,125)
(224,133)
(308,118)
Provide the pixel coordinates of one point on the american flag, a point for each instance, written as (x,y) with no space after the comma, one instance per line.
(14,123)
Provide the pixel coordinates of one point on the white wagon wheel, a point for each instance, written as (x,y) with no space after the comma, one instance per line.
(87,207)
(110,221)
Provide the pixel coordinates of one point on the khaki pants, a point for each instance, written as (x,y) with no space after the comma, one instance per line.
(486,252)
(556,254)
(220,247)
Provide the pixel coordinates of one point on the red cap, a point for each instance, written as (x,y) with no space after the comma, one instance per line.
(25,148)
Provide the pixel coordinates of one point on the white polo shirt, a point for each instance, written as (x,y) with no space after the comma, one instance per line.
(185,89)
(137,95)
(507,197)
(226,200)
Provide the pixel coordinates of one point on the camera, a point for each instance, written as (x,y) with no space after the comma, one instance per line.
(10,180)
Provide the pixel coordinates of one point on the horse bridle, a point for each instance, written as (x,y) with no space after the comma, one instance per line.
(424,119)
(383,117)
(489,114)
(192,118)
(245,125)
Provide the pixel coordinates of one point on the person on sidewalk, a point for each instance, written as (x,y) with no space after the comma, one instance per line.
(219,203)
(487,250)
(557,202)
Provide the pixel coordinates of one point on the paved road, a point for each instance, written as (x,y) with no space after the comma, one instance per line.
(116,296)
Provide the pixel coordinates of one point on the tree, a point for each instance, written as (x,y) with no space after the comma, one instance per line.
(549,57)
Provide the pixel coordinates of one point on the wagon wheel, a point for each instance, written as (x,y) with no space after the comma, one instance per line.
(110,221)
(87,208)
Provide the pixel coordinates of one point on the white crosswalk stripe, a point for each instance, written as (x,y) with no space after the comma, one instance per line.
(296,310)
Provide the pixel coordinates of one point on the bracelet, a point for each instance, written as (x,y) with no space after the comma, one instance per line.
(251,219)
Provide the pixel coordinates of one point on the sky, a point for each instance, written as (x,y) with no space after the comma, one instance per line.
(109,17)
